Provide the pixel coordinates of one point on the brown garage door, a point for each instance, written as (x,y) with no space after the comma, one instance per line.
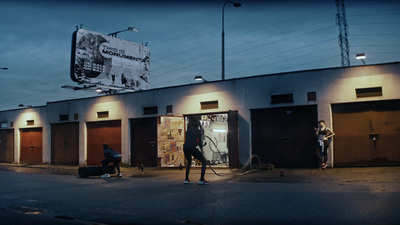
(7,146)
(285,136)
(144,141)
(65,144)
(367,133)
(99,133)
(31,146)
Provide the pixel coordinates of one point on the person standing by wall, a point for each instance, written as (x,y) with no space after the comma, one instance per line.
(110,156)
(324,135)
(193,138)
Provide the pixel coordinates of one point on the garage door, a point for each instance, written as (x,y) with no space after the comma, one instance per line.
(367,133)
(65,144)
(144,142)
(99,133)
(285,136)
(31,146)
(6,145)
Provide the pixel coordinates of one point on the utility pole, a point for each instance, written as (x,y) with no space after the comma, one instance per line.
(343,31)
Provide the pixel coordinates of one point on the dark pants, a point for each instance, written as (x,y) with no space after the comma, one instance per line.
(114,160)
(189,152)
(322,152)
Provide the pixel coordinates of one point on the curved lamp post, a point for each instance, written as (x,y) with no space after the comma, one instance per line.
(235,4)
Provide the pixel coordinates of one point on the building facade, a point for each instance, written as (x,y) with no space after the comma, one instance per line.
(272,116)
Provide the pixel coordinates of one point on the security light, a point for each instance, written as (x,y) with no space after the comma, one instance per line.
(199,78)
(361,56)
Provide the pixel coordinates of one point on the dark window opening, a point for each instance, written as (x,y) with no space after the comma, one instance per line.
(103,114)
(209,105)
(312,96)
(169,109)
(76,117)
(368,92)
(64,117)
(150,110)
(30,122)
(285,98)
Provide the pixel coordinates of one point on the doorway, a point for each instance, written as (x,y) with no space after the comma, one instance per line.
(144,142)
(31,145)
(65,144)
(367,133)
(170,136)
(99,133)
(285,136)
(220,137)
(6,145)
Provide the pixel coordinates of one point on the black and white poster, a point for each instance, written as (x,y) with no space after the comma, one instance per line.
(110,61)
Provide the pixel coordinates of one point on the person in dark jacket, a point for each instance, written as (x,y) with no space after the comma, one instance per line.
(193,138)
(110,156)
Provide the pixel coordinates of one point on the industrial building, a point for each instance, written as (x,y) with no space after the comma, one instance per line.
(272,116)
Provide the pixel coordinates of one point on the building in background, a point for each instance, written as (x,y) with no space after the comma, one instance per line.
(272,116)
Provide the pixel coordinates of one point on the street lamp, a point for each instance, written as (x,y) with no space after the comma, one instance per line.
(361,56)
(132,29)
(223,35)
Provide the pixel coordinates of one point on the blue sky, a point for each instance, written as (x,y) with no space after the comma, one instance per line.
(184,37)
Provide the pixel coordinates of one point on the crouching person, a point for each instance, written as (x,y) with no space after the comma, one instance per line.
(110,156)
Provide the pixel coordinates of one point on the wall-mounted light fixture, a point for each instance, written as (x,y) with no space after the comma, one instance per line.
(200,78)
(361,57)
(24,106)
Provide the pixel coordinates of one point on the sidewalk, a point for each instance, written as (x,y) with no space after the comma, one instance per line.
(127,172)
(354,174)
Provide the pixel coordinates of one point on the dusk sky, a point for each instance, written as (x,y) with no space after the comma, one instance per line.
(184,37)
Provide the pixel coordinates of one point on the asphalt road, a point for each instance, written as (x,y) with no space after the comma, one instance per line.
(56,195)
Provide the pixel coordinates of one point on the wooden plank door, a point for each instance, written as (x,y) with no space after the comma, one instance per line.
(31,146)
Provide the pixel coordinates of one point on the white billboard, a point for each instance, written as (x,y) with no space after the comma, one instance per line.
(101,59)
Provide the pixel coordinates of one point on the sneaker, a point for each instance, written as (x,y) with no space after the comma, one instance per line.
(201,182)
(105,175)
(119,174)
(187,181)
(324,166)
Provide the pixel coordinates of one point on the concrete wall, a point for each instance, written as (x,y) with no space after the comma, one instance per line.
(335,85)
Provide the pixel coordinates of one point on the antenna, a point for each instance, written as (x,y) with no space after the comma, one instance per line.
(343,31)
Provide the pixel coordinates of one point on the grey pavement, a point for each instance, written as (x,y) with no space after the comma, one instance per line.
(46,194)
